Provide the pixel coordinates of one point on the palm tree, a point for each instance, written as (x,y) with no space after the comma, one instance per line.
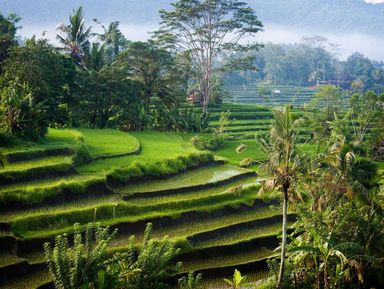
(283,165)
(75,36)
(94,60)
(3,160)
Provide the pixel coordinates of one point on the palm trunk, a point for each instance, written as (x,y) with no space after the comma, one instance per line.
(284,239)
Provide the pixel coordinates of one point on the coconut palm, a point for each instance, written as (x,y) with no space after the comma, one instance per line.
(75,36)
(3,160)
(283,165)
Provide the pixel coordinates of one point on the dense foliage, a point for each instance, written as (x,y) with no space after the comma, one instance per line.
(312,61)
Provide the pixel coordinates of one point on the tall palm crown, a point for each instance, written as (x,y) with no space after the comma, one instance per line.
(75,36)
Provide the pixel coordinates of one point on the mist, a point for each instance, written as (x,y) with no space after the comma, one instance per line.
(370,46)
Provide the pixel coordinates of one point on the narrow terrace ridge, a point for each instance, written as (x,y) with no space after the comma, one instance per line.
(195,179)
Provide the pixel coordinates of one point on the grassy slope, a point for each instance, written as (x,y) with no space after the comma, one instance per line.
(155,146)
(56,138)
(107,142)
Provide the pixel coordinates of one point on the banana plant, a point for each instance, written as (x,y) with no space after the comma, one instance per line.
(238,280)
(330,264)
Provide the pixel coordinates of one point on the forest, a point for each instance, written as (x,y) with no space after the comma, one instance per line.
(198,159)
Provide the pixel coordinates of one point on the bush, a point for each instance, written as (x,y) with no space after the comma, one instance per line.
(82,156)
(78,265)
(149,266)
(213,143)
(21,115)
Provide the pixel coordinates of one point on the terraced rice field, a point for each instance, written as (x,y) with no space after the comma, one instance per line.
(191,206)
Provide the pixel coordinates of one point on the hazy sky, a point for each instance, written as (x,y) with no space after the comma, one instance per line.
(369,45)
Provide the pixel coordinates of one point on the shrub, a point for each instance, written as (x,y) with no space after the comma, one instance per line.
(79,265)
(149,266)
(191,281)
(213,143)
(21,115)
(82,156)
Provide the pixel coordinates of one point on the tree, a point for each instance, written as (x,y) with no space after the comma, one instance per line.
(113,39)
(8,29)
(48,74)
(208,30)
(150,66)
(366,111)
(330,97)
(75,36)
(284,166)
(94,59)
(103,96)
(358,67)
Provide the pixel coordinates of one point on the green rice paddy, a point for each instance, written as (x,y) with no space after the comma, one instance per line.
(196,201)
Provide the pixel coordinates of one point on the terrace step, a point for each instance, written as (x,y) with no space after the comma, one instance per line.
(27,279)
(189,222)
(49,191)
(192,180)
(32,169)
(24,155)
(245,261)
(239,232)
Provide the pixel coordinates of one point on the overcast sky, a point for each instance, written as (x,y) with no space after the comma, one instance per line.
(369,45)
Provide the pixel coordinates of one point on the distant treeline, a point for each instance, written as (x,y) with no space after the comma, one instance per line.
(310,62)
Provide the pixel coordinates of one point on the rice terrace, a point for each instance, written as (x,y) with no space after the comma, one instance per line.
(197,157)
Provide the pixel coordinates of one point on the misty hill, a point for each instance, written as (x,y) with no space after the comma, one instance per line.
(320,15)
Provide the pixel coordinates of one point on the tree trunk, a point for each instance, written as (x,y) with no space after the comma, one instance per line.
(284,238)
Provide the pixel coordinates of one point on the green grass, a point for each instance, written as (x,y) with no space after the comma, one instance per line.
(155,146)
(56,138)
(109,142)
(201,176)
